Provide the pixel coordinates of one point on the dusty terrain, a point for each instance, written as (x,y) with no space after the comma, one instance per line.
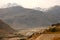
(50,33)
(48,37)
(35,35)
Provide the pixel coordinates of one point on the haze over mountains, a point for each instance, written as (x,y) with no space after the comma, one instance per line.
(19,17)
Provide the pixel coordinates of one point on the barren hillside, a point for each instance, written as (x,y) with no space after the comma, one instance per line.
(5,27)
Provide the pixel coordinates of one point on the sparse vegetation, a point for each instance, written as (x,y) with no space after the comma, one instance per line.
(52,29)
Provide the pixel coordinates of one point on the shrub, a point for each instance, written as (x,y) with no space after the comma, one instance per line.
(52,29)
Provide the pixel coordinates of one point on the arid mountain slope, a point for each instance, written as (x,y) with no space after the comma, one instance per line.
(5,27)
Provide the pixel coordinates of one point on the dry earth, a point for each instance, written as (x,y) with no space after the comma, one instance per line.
(34,34)
(48,37)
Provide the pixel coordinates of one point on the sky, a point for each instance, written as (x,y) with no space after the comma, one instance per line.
(32,3)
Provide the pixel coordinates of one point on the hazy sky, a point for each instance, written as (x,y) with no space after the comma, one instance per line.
(32,3)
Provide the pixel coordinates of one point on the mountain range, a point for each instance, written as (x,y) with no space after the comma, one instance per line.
(18,17)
